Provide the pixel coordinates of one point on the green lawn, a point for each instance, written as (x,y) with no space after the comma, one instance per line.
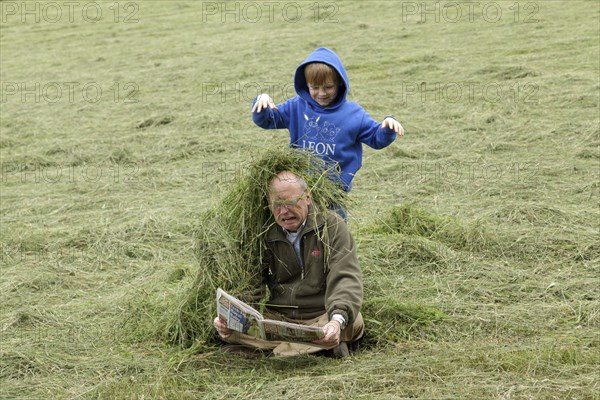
(121,123)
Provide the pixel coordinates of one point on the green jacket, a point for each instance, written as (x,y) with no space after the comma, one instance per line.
(331,280)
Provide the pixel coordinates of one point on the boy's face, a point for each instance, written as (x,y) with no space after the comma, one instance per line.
(324,94)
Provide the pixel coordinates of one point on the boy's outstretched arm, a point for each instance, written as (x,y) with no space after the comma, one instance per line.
(266,114)
(377,135)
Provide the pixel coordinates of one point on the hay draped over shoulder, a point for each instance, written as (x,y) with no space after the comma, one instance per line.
(230,235)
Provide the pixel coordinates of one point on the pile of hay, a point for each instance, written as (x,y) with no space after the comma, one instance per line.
(230,236)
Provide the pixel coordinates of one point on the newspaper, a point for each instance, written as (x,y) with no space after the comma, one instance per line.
(241,317)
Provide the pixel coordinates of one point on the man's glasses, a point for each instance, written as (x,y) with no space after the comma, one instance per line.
(287,204)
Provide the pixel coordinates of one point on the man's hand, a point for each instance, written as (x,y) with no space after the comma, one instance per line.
(332,331)
(394,125)
(221,328)
(263,101)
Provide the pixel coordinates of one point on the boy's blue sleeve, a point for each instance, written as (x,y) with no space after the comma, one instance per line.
(269,118)
(373,135)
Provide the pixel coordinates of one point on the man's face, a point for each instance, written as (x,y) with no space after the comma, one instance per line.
(288,201)
(324,94)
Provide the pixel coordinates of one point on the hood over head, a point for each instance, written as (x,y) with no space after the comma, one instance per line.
(326,56)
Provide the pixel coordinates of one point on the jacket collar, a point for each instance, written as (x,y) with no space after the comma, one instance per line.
(314,221)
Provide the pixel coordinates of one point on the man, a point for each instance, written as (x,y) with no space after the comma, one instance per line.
(311,270)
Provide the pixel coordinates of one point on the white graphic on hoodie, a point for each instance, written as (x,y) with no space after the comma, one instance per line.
(319,139)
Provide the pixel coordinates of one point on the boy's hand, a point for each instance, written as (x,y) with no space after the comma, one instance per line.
(263,101)
(394,125)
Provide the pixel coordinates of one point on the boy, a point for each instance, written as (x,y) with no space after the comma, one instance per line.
(321,120)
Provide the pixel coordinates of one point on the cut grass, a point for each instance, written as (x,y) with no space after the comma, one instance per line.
(477,233)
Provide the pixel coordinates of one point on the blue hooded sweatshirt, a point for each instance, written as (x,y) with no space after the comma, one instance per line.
(335,132)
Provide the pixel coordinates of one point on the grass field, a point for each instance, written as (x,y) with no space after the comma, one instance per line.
(478,233)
